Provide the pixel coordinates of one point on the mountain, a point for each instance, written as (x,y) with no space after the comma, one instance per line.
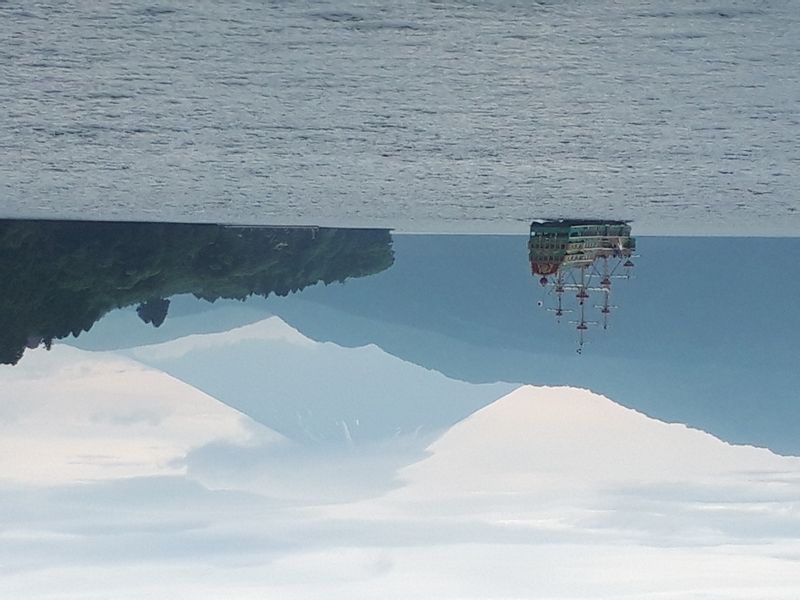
(693,340)
(318,393)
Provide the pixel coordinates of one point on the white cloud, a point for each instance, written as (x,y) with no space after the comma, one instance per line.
(566,462)
(72,415)
(545,493)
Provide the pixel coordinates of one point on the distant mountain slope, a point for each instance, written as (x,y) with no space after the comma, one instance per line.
(314,393)
(696,338)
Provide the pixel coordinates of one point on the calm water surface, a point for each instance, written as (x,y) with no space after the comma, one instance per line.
(417,115)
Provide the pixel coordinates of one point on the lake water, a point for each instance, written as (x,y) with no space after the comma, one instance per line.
(417,115)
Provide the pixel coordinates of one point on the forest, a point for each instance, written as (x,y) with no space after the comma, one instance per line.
(60,277)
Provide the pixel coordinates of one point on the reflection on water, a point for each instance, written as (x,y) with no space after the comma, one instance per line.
(581,256)
(337,441)
(62,276)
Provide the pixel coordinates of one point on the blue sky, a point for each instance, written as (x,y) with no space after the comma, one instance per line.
(704,333)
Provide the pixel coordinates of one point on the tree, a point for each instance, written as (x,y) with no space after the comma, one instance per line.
(60,277)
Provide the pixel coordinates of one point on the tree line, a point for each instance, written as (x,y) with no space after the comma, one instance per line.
(60,277)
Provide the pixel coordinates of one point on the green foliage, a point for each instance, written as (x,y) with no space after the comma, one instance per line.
(153,311)
(59,277)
